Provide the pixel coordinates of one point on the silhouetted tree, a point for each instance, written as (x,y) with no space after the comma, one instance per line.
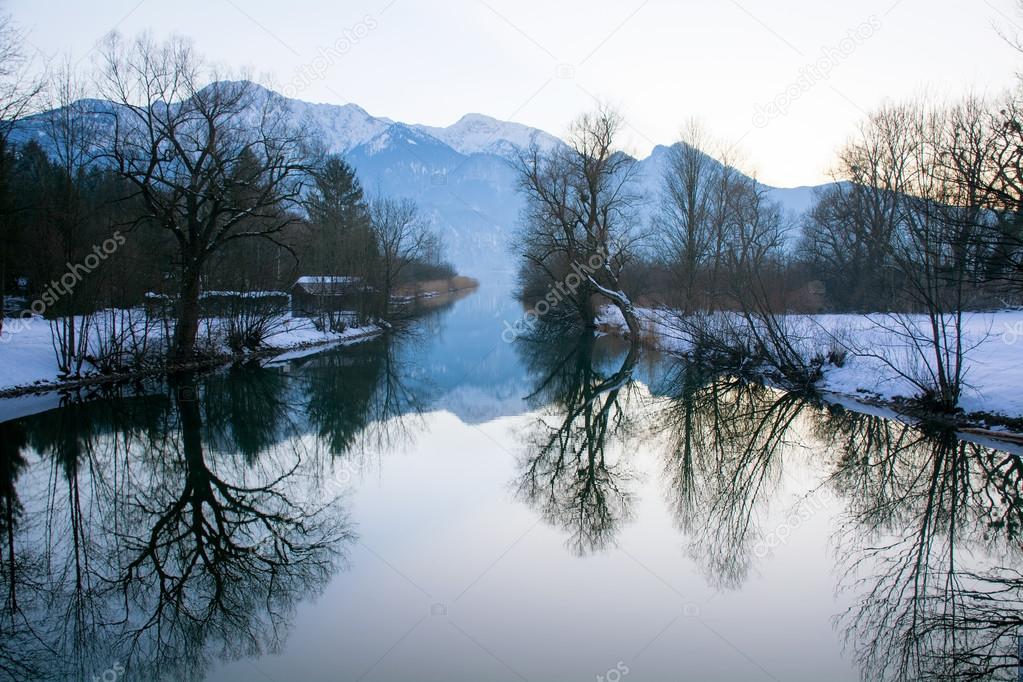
(211,164)
(579,228)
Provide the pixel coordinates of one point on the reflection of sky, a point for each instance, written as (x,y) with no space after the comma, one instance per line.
(442,527)
(473,372)
(457,576)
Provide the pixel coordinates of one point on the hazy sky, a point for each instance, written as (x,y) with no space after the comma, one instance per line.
(542,62)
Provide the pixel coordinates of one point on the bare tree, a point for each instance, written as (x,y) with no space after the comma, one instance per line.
(19,89)
(19,93)
(402,237)
(745,232)
(1010,34)
(1000,180)
(686,219)
(580,216)
(931,253)
(910,212)
(850,231)
(213,162)
(72,136)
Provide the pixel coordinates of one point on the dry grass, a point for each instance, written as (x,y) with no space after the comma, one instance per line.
(437,286)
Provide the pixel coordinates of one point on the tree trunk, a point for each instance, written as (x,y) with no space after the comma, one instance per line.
(586,309)
(187,328)
(385,298)
(624,305)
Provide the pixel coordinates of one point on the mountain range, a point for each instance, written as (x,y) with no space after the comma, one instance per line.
(461,176)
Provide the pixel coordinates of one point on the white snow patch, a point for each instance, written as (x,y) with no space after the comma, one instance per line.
(993,363)
(27,356)
(476,133)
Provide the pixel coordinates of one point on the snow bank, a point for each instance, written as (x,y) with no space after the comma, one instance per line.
(993,364)
(27,357)
(993,369)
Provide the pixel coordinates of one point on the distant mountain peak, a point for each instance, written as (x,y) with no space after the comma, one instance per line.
(478,133)
(476,119)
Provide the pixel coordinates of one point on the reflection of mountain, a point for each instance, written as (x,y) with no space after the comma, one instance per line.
(186,519)
(165,529)
(482,404)
(200,511)
(470,371)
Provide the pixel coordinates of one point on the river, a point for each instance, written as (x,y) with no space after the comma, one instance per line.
(443,504)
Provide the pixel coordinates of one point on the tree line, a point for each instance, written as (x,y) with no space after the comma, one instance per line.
(205,184)
(921,224)
(926,202)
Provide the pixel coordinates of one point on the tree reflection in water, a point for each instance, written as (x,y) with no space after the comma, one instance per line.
(20,650)
(165,531)
(566,472)
(927,535)
(183,526)
(726,440)
(928,540)
(930,549)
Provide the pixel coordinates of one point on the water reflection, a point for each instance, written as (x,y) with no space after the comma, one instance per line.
(726,441)
(168,528)
(927,539)
(930,549)
(566,473)
(366,387)
(184,524)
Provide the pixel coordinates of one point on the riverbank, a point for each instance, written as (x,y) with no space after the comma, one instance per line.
(28,363)
(434,287)
(871,361)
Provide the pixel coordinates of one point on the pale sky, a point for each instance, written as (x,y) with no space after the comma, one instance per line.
(542,62)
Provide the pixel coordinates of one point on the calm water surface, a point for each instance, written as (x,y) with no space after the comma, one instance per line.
(442,505)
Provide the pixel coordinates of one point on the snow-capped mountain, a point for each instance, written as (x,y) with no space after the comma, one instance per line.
(476,133)
(339,128)
(461,176)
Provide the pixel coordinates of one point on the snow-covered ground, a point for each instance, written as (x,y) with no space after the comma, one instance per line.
(993,362)
(27,356)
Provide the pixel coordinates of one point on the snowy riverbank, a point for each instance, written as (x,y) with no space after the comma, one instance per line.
(28,361)
(993,356)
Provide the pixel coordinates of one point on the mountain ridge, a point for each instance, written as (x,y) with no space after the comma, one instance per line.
(461,175)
